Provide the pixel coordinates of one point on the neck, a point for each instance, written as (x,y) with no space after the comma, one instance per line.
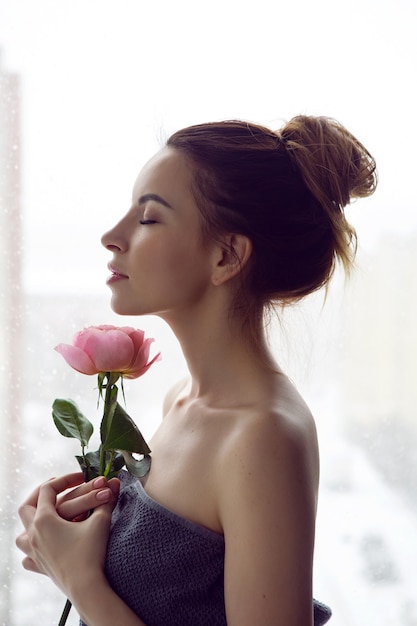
(224,360)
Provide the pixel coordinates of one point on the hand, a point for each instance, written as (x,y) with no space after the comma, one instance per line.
(65,551)
(77,504)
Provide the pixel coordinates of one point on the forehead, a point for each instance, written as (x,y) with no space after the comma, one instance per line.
(168,174)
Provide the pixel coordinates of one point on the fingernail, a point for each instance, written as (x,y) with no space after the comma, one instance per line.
(99,482)
(103,495)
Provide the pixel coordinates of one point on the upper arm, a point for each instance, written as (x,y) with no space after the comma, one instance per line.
(268,507)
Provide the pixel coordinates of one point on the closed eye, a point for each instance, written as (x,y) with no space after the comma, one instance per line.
(146,222)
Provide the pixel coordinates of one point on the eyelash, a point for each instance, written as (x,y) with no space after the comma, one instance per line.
(146,222)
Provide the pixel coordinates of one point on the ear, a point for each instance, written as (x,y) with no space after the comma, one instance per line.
(231,256)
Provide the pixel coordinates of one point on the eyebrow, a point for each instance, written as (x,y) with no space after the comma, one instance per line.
(153,196)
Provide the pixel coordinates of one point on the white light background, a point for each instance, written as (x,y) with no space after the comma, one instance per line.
(103,82)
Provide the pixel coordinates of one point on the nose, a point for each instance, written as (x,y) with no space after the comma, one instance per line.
(113,240)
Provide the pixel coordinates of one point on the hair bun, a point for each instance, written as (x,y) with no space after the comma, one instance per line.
(335,166)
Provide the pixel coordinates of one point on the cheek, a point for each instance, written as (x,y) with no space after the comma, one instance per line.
(171,254)
(181,268)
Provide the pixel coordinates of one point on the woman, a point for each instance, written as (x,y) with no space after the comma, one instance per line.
(226,220)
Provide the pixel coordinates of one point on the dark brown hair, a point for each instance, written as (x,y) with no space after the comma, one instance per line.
(286,192)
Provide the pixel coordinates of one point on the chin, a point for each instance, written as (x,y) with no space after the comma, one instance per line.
(123,308)
(120,308)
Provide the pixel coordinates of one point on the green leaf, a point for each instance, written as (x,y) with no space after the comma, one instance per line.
(71,422)
(90,464)
(137,467)
(100,381)
(124,435)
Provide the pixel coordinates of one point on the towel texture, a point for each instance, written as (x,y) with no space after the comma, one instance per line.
(166,568)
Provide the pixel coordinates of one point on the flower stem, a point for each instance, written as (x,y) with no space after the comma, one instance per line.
(102,461)
(110,463)
(65,613)
(106,410)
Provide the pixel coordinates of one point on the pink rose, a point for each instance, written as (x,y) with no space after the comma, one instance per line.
(109,349)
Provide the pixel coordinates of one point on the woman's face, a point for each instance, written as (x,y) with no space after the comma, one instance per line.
(160,264)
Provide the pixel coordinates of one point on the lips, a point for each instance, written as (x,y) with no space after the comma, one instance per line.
(116,276)
(115,272)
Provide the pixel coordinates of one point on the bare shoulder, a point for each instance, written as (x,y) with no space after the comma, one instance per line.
(267,507)
(173,394)
(274,443)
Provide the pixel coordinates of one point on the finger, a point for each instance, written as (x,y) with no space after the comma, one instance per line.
(27,510)
(23,543)
(69,480)
(31,566)
(84,497)
(77,508)
(26,513)
(100,482)
(85,488)
(102,514)
(78,503)
(114,485)
(50,490)
(62,483)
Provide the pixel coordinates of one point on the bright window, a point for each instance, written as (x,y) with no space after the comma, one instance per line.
(87,89)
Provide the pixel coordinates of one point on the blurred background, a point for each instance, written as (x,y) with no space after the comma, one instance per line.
(88,91)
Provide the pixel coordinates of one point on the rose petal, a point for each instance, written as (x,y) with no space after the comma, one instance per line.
(136,335)
(80,338)
(139,371)
(77,359)
(142,354)
(111,350)
(141,347)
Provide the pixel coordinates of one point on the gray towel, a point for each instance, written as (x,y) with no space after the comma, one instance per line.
(169,570)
